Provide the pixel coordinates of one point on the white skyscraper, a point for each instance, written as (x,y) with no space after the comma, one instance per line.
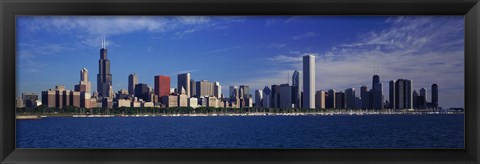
(308,81)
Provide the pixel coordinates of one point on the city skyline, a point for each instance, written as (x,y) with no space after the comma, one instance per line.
(333,58)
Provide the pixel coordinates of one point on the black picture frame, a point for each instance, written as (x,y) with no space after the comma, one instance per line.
(9,9)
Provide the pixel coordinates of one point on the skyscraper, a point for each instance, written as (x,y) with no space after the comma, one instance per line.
(285,96)
(258,98)
(320,100)
(403,94)
(246,91)
(400,94)
(330,102)
(350,98)
(365,95)
(193,88)
(162,86)
(141,91)
(132,81)
(339,100)
(104,77)
(83,85)
(183,80)
(415,99)
(377,93)
(435,96)
(204,89)
(408,94)
(308,81)
(266,97)
(296,89)
(233,92)
(423,98)
(275,103)
(391,98)
(217,90)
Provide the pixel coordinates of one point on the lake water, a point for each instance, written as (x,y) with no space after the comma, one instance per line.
(338,131)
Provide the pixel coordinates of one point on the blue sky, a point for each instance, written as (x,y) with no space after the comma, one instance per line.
(250,50)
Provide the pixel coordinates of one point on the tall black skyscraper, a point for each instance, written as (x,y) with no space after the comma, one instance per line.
(435,96)
(296,89)
(104,78)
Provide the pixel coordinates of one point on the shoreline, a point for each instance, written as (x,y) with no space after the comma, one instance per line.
(40,116)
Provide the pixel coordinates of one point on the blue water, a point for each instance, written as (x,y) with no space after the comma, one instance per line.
(373,131)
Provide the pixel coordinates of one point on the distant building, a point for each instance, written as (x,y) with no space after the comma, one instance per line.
(435,96)
(123,94)
(350,98)
(331,99)
(415,99)
(296,89)
(183,80)
(19,103)
(104,77)
(403,98)
(266,98)
(320,100)
(30,100)
(233,91)
(212,102)
(193,88)
(182,98)
(339,100)
(249,102)
(107,103)
(192,102)
(148,104)
(84,84)
(422,99)
(162,85)
(285,96)
(123,103)
(142,92)
(377,93)
(275,94)
(258,98)
(217,90)
(204,89)
(365,95)
(170,100)
(132,81)
(246,91)
(308,81)
(391,98)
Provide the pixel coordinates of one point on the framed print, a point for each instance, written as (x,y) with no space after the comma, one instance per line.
(284,81)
